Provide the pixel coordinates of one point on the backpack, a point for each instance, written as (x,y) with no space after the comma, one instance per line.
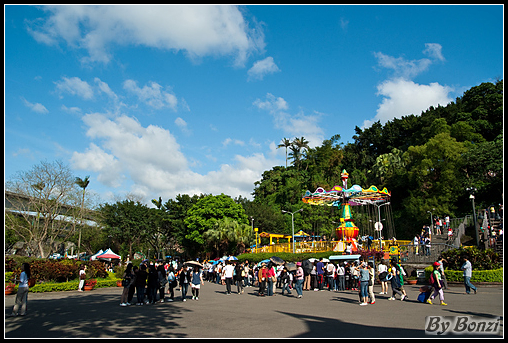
(162,280)
(127,280)
(432,280)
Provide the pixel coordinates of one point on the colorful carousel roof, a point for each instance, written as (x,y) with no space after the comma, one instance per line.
(355,195)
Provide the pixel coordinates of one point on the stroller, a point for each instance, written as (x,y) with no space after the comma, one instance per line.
(425,292)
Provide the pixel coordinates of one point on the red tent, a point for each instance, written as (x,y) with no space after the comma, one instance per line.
(109,254)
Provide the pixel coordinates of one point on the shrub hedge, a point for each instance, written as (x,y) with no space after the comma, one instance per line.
(495,275)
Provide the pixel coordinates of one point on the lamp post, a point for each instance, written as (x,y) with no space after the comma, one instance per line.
(252,222)
(378,226)
(431,221)
(293,224)
(472,190)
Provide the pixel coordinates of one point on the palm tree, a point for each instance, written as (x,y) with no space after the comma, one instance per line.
(286,143)
(83,183)
(220,235)
(157,203)
(297,146)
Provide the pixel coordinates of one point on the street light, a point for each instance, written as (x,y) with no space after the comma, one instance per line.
(471,191)
(252,222)
(431,221)
(293,224)
(378,226)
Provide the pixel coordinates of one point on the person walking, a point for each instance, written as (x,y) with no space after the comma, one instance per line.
(21,296)
(320,273)
(364,282)
(141,284)
(285,278)
(382,271)
(372,274)
(196,282)
(468,273)
(171,283)
(341,277)
(238,277)
(82,277)
(441,261)
(270,278)
(437,284)
(184,278)
(132,287)
(262,275)
(127,279)
(162,281)
(152,284)
(299,279)
(228,276)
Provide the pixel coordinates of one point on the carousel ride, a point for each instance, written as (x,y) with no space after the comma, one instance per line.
(342,197)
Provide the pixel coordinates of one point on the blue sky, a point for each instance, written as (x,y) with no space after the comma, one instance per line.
(166,100)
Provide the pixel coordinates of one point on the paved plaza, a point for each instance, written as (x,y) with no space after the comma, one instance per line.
(97,314)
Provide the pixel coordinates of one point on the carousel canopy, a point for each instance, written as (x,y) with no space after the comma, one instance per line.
(355,195)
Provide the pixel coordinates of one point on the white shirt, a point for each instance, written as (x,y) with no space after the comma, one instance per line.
(382,268)
(228,270)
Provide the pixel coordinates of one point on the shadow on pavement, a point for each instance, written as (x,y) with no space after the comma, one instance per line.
(319,327)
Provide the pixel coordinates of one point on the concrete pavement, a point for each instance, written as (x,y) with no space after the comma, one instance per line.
(97,314)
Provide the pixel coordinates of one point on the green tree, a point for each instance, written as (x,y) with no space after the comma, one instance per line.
(127,221)
(203,216)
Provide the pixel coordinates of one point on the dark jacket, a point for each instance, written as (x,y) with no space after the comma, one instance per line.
(141,278)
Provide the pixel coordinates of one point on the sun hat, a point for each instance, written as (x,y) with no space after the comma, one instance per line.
(298,263)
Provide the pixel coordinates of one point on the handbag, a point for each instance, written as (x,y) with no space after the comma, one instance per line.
(31,282)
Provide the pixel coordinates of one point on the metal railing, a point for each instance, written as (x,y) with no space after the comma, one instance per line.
(420,253)
(322,246)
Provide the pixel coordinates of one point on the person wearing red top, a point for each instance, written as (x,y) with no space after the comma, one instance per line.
(269,279)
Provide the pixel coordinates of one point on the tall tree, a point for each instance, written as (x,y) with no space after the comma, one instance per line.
(40,196)
(286,143)
(82,183)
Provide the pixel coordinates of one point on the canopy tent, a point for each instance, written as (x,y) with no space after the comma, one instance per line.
(93,257)
(109,254)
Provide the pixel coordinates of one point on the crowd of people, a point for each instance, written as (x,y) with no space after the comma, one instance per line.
(163,279)
(151,279)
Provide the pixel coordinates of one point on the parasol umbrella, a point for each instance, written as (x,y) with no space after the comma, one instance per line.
(193,264)
(326,260)
(263,261)
(312,259)
(231,258)
(307,266)
(277,260)
(290,266)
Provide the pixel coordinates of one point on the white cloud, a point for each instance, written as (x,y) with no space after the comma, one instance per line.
(272,104)
(75,86)
(402,97)
(228,141)
(74,110)
(104,88)
(197,30)
(433,50)
(152,95)
(37,107)
(297,125)
(182,124)
(262,68)
(150,157)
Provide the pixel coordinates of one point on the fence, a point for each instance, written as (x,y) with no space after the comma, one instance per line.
(321,246)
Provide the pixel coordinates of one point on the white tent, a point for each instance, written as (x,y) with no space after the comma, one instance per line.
(93,257)
(109,254)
